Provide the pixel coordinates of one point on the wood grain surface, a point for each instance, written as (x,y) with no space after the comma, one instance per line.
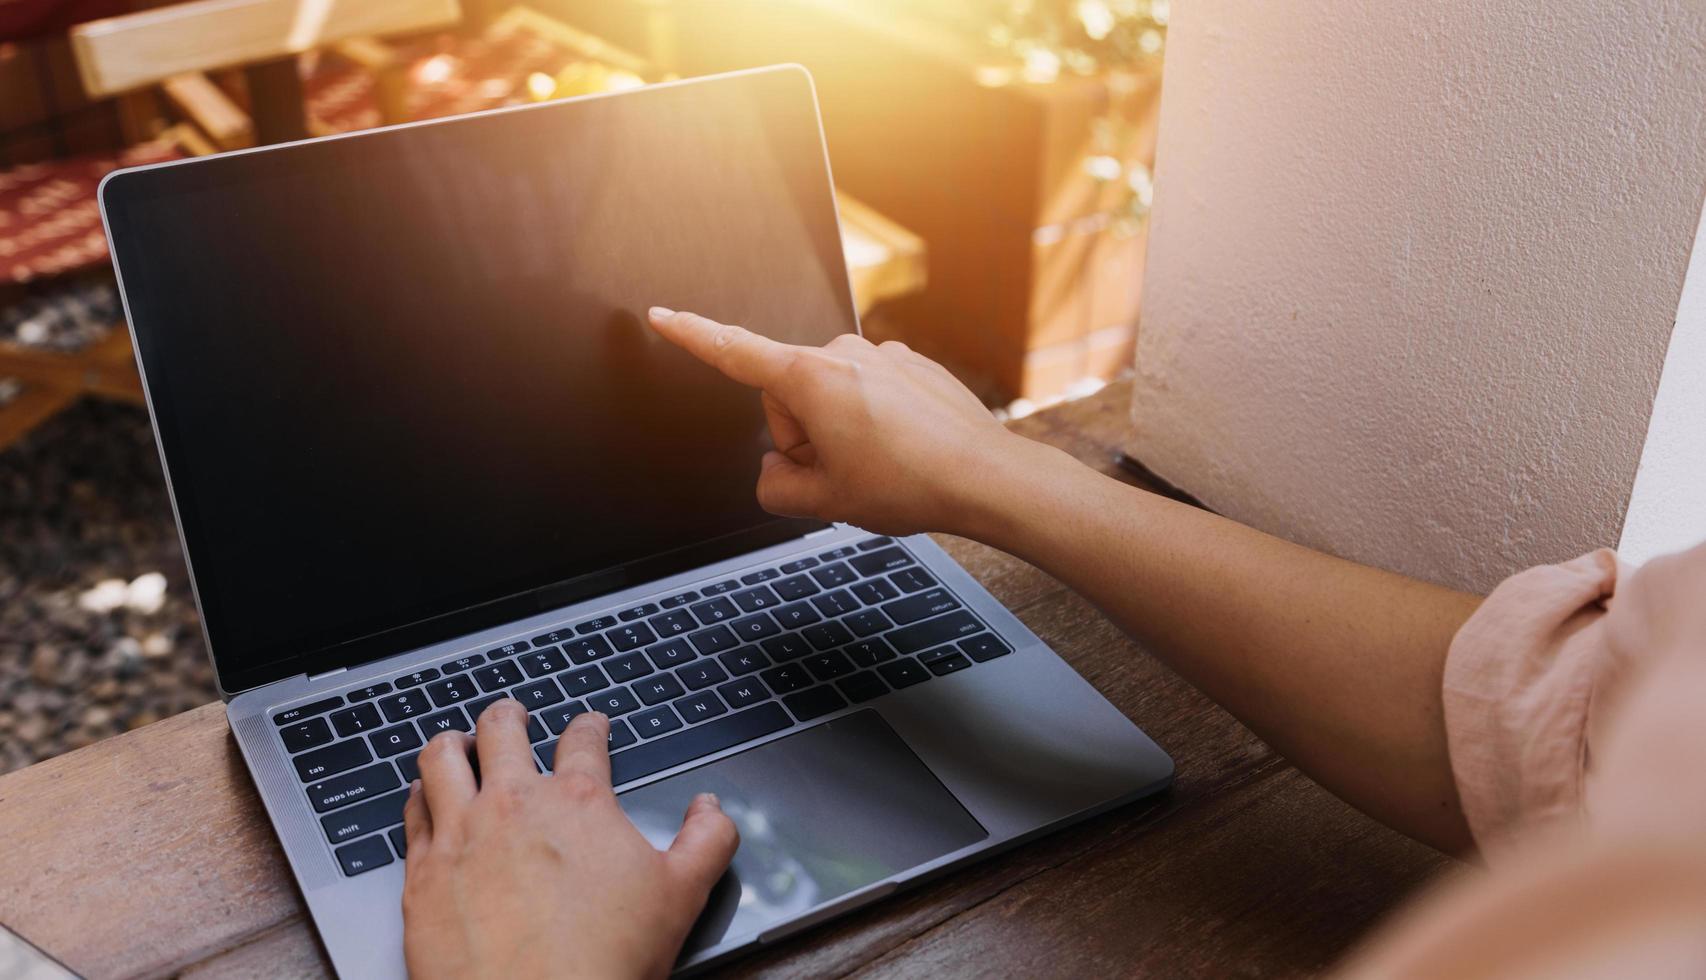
(148,854)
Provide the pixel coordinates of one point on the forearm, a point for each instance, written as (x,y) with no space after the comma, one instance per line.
(1335,664)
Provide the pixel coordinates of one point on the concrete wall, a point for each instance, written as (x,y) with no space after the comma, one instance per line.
(1413,269)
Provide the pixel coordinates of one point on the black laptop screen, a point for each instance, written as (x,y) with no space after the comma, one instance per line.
(402,381)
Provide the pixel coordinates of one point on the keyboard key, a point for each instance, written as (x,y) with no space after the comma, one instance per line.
(944,660)
(450,720)
(452,690)
(827,635)
(934,632)
(659,688)
(814,703)
(301,711)
(872,544)
(539,694)
(398,738)
(921,605)
(561,634)
(715,611)
(461,664)
(755,627)
(655,721)
(535,731)
(558,718)
(632,636)
(797,615)
(364,855)
(542,662)
(799,566)
(752,600)
(786,647)
(845,551)
(598,625)
(877,562)
(912,579)
(370,691)
(984,646)
(702,675)
(671,653)
(509,649)
(697,742)
(679,599)
(869,652)
(399,841)
(478,706)
(629,615)
(401,707)
(714,640)
(875,591)
(306,734)
(788,677)
(904,672)
(497,676)
(743,661)
(365,818)
(674,623)
(410,766)
(331,760)
(587,649)
(352,787)
(618,701)
(739,694)
(837,603)
(721,587)
(862,686)
(356,719)
(584,681)
(828,666)
(867,621)
(699,707)
(830,576)
(417,678)
(798,587)
(762,575)
(628,667)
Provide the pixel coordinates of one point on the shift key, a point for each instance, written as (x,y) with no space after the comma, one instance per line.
(331,760)
(365,818)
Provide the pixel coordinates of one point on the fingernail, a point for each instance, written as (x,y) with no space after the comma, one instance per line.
(711,798)
(414,786)
(659,312)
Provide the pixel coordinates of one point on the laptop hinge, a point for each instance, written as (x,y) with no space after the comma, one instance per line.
(820,533)
(334,670)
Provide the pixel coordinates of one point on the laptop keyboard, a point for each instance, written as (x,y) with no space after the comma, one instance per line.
(680,676)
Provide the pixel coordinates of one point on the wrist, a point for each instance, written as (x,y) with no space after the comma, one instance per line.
(996,499)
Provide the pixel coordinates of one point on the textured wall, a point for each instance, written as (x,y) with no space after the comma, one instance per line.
(1413,268)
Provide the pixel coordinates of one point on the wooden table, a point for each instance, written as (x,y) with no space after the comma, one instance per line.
(149,854)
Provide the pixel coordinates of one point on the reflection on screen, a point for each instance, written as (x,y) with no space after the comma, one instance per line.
(406,373)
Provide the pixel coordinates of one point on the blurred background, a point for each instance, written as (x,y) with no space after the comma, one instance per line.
(992,160)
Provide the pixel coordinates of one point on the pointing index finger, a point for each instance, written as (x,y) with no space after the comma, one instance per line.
(737,352)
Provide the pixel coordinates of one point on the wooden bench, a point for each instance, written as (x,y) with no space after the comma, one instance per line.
(148,854)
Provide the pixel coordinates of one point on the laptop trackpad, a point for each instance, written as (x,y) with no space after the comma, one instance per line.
(822,813)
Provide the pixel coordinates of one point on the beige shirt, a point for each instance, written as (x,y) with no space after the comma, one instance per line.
(1575,709)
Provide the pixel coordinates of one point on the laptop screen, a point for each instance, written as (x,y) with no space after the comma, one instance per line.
(402,380)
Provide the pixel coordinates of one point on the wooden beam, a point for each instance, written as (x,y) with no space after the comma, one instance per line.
(117,54)
(207,105)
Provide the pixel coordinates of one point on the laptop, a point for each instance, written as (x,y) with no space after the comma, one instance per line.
(424,453)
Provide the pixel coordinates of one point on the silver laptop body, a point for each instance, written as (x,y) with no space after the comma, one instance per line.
(877,717)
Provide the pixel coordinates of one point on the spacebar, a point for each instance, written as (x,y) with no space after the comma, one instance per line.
(713,736)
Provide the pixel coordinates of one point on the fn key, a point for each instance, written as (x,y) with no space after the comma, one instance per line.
(364,855)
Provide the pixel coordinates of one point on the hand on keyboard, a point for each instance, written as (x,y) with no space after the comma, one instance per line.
(875,435)
(523,874)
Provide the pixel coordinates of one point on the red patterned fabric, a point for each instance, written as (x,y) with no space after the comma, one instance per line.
(447,75)
(49,222)
(24,19)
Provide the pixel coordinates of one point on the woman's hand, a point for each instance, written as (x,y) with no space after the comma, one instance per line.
(527,875)
(873,435)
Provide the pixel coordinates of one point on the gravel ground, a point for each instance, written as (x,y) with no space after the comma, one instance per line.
(90,643)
